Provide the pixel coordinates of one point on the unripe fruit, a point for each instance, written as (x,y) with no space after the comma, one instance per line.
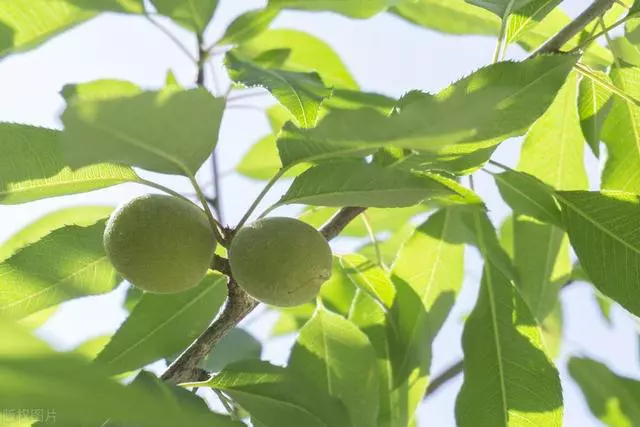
(160,244)
(280,261)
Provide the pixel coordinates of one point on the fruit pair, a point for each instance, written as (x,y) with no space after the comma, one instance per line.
(164,244)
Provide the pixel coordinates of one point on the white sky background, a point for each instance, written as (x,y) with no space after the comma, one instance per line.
(385,54)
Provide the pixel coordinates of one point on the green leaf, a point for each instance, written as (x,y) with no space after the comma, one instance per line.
(350,8)
(594,104)
(67,263)
(334,355)
(427,274)
(613,399)
(263,162)
(369,312)
(237,345)
(527,195)
(35,376)
(32,167)
(502,8)
(272,394)
(388,248)
(247,26)
(625,51)
(621,134)
(301,93)
(492,104)
(353,99)
(77,215)
(449,16)
(171,131)
(559,130)
(307,54)
(368,185)
(380,219)
(540,254)
(541,251)
(604,230)
(194,15)
(161,325)
(528,16)
(604,304)
(552,327)
(508,378)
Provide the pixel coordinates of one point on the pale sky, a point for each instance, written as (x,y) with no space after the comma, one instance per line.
(384,54)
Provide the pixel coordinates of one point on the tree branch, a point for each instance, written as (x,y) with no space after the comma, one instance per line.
(185,367)
(239,305)
(555,43)
(440,380)
(339,221)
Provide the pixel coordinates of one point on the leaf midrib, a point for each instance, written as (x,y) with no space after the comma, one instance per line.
(598,225)
(494,322)
(161,325)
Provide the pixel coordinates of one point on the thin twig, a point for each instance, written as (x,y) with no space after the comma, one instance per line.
(555,43)
(444,377)
(171,36)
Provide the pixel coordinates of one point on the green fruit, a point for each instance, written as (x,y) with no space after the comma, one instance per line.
(160,244)
(280,261)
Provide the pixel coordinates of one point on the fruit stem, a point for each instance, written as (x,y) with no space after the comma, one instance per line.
(162,188)
(263,193)
(215,225)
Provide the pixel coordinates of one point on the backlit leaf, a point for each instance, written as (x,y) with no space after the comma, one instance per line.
(333,354)
(162,325)
(301,93)
(307,54)
(604,232)
(171,131)
(32,167)
(67,263)
(508,378)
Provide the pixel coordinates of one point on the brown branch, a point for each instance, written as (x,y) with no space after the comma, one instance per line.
(441,379)
(185,367)
(555,43)
(239,305)
(339,221)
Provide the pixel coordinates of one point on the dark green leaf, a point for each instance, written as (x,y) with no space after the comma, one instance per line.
(508,378)
(32,167)
(191,14)
(247,26)
(161,325)
(502,8)
(613,399)
(237,345)
(334,355)
(171,131)
(272,394)
(301,93)
(307,54)
(529,196)
(494,103)
(604,230)
(369,185)
(68,263)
